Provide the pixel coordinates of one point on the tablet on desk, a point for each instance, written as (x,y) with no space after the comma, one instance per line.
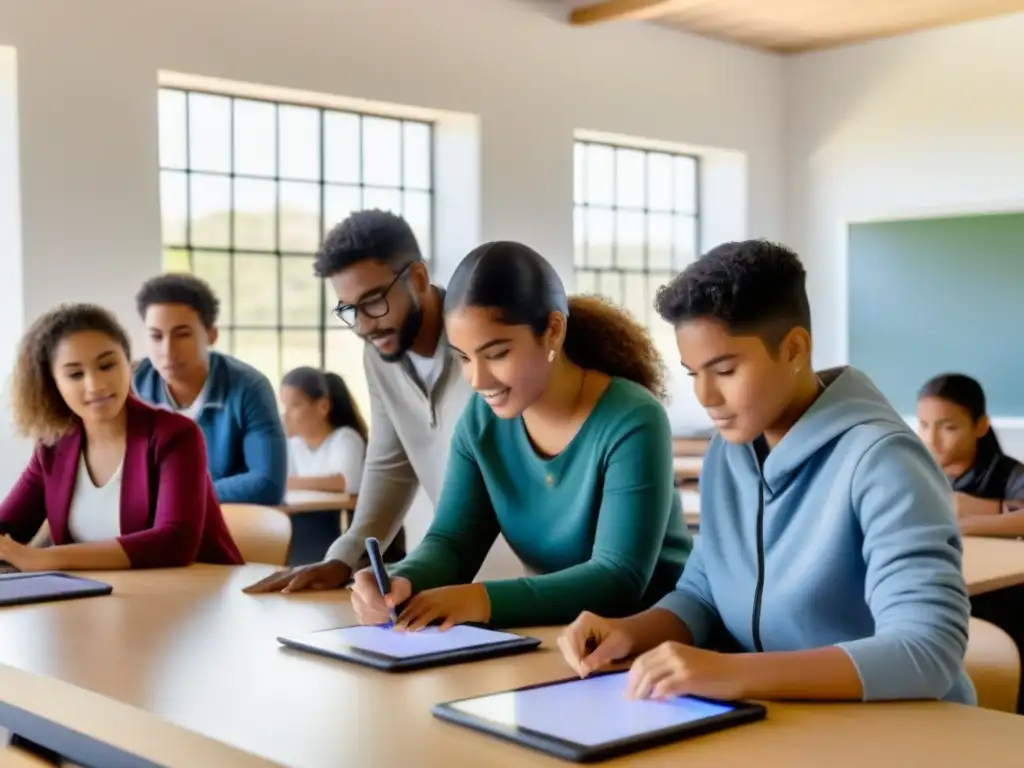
(591,719)
(45,586)
(393,650)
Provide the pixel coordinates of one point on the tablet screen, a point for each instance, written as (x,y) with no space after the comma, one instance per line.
(24,587)
(590,712)
(385,641)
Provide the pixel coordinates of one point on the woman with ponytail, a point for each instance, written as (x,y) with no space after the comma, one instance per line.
(988,485)
(565,450)
(326,432)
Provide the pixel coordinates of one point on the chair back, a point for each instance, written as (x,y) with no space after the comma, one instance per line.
(262,534)
(993,664)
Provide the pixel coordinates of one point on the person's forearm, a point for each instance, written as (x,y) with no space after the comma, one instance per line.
(1007,524)
(248,488)
(653,627)
(94,556)
(323,483)
(821,674)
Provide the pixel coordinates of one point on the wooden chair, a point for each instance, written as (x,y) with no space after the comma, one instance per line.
(993,663)
(261,533)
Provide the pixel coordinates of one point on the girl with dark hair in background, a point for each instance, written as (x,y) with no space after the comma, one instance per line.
(565,450)
(953,422)
(326,432)
(122,484)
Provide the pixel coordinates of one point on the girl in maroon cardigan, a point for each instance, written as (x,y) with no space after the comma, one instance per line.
(123,485)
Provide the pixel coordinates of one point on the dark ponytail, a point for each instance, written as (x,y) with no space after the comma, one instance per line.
(316,384)
(524,288)
(967,393)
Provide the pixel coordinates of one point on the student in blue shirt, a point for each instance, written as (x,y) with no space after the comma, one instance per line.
(829,558)
(233,403)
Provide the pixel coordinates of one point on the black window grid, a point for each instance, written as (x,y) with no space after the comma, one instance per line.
(232,252)
(618,281)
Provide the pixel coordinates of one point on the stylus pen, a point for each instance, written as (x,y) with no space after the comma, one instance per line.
(381,574)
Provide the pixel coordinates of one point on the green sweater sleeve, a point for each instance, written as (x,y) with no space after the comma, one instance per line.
(633,517)
(464,526)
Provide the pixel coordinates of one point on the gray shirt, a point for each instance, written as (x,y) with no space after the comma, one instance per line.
(411,427)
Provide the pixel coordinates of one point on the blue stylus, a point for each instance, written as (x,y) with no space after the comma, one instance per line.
(379,572)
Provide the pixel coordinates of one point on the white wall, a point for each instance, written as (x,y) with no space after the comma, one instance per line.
(88,84)
(928,122)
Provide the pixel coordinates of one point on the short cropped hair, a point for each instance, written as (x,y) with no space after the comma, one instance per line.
(753,288)
(180,288)
(372,234)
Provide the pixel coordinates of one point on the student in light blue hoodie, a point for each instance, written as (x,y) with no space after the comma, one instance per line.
(828,562)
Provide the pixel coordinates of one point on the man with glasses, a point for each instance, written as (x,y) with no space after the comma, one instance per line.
(417,395)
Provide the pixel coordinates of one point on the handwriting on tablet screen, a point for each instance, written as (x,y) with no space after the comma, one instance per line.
(590,712)
(398,644)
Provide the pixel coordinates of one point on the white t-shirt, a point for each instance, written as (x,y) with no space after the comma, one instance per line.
(428,368)
(193,410)
(95,513)
(342,453)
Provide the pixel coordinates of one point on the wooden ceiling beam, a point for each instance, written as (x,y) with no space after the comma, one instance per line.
(620,10)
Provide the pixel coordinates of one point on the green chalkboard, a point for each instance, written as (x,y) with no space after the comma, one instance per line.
(927,296)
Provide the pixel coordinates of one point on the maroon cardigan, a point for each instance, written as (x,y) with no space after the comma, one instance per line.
(169,512)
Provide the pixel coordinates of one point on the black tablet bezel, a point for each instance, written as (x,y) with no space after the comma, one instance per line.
(743,712)
(354,654)
(90,588)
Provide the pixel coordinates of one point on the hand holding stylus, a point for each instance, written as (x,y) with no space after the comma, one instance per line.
(370,605)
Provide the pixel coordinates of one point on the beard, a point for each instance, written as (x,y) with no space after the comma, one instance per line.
(406,335)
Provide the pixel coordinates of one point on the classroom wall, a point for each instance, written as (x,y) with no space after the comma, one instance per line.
(930,122)
(88,80)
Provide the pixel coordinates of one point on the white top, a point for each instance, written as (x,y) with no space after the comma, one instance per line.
(193,410)
(95,513)
(342,453)
(428,368)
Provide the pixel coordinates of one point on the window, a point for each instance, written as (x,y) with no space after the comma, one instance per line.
(249,187)
(636,223)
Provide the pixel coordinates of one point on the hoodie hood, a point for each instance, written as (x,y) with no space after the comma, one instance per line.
(850,400)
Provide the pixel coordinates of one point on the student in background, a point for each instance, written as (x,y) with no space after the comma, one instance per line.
(988,485)
(565,450)
(123,485)
(828,552)
(326,432)
(233,403)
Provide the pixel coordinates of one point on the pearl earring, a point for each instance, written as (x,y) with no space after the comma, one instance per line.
(551,356)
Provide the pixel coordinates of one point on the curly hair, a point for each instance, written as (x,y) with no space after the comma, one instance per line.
(39,411)
(753,287)
(604,337)
(372,234)
(180,288)
(525,289)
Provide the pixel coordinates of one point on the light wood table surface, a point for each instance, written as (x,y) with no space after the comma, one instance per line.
(991,564)
(687,468)
(189,647)
(297,502)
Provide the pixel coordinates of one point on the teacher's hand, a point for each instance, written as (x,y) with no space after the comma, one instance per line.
(673,669)
(370,606)
(330,574)
(458,604)
(593,642)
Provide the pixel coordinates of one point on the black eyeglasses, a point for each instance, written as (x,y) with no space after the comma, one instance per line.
(375,305)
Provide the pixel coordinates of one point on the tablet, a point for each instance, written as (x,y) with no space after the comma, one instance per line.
(591,719)
(393,650)
(24,588)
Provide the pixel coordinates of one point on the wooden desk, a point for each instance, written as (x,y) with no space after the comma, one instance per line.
(297,502)
(687,468)
(991,564)
(187,646)
(690,446)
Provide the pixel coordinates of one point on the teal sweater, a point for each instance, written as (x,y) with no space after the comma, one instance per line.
(600,523)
